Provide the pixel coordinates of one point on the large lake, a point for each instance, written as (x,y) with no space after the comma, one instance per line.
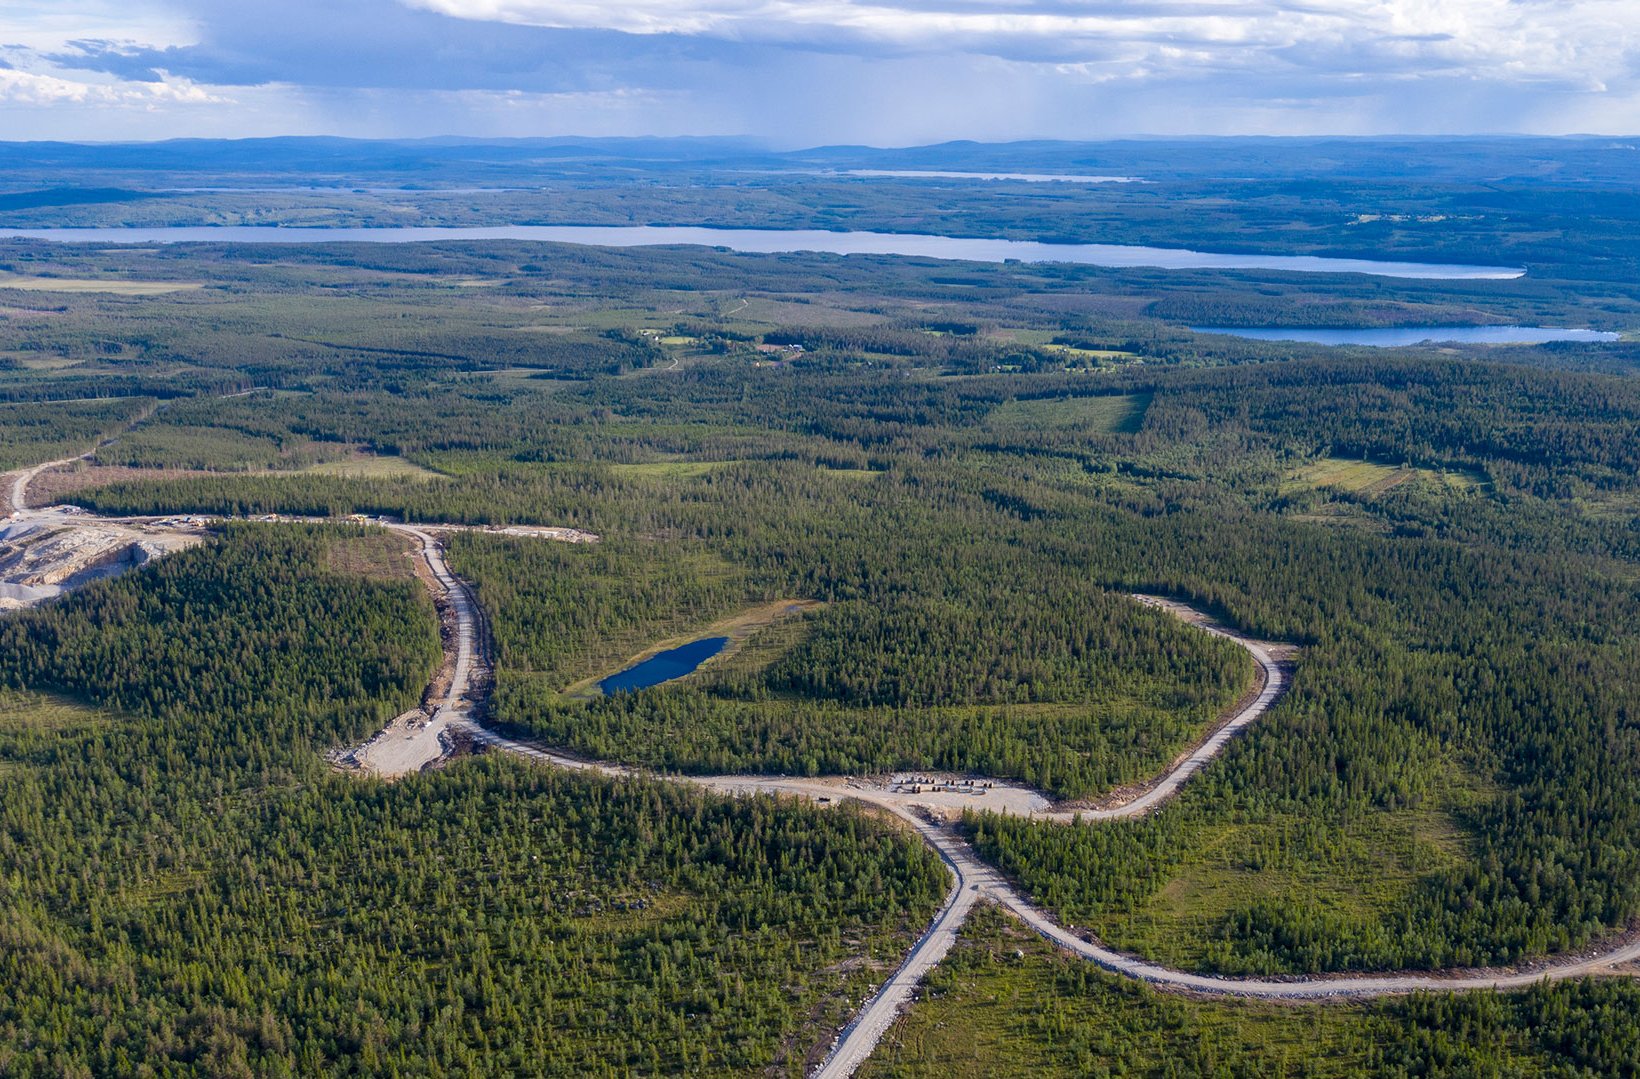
(775,241)
(664,666)
(1416,335)
(1026,177)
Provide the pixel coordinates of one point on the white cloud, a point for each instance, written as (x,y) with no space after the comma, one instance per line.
(30,78)
(1579,43)
(30,30)
(35,88)
(804,71)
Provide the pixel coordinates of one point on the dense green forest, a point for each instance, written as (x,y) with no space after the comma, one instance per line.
(967,468)
(1425,656)
(942,652)
(35,432)
(190,889)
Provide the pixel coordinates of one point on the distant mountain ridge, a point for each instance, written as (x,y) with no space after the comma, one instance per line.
(451,159)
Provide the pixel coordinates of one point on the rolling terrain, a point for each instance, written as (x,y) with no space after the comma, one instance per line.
(1096,695)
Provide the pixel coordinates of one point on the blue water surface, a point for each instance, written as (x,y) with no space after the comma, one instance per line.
(773,241)
(664,666)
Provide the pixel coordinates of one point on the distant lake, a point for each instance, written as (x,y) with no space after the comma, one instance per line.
(1027,177)
(664,666)
(1389,337)
(776,241)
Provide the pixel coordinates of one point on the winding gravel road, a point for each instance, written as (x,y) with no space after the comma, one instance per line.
(975,880)
(1168,783)
(457,703)
(20,479)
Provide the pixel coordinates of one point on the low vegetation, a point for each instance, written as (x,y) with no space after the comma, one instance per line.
(1005,1002)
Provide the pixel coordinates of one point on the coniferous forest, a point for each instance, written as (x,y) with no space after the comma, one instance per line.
(916,498)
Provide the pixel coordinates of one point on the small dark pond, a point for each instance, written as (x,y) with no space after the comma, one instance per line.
(664,666)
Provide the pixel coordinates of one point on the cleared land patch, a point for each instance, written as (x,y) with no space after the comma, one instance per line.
(372,466)
(1373,478)
(57,484)
(1350,876)
(378,554)
(669,469)
(94,284)
(217,449)
(1107,415)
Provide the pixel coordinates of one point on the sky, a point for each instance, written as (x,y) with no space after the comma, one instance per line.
(811,72)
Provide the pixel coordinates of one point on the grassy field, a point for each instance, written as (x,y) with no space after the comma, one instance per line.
(32,725)
(1352,873)
(852,473)
(829,312)
(40,712)
(1096,415)
(670,469)
(1372,478)
(1092,355)
(370,466)
(94,284)
(28,362)
(1356,874)
(1007,1003)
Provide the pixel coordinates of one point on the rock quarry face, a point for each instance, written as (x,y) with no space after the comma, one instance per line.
(47,553)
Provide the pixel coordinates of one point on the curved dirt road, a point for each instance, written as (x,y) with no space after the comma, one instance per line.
(976,880)
(1168,783)
(457,702)
(1303,987)
(20,479)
